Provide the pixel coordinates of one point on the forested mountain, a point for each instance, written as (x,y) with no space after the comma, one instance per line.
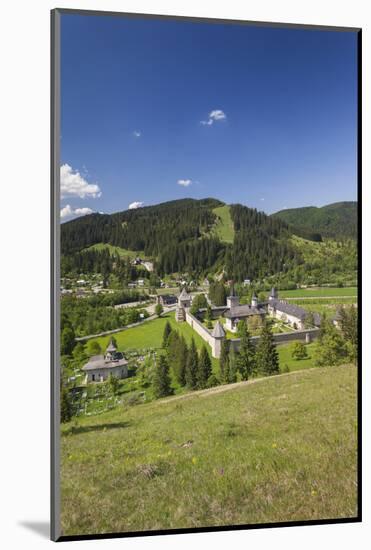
(334,220)
(180,236)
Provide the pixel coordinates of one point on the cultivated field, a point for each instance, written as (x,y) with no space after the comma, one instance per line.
(316,292)
(277,449)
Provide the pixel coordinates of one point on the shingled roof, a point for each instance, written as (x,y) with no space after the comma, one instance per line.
(184,295)
(218,331)
(296,311)
(99,362)
(243,311)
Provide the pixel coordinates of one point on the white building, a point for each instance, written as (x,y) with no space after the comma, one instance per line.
(100,367)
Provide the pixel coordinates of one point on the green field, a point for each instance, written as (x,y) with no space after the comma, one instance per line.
(224,228)
(315,292)
(123,252)
(278,449)
(284,353)
(149,335)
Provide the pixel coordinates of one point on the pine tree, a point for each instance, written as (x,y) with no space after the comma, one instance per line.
(66,403)
(181,364)
(67,340)
(161,379)
(224,362)
(166,334)
(204,368)
(331,349)
(232,375)
(246,357)
(174,350)
(299,351)
(349,329)
(267,362)
(192,366)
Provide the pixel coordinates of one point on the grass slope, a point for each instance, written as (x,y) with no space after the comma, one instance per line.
(279,449)
(123,252)
(224,228)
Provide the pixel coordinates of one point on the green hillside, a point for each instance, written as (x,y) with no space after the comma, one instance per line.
(201,237)
(116,250)
(332,220)
(224,228)
(277,449)
(330,261)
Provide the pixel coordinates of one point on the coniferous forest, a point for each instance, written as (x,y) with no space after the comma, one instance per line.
(179,236)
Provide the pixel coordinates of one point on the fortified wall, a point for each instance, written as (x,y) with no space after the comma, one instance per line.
(215,337)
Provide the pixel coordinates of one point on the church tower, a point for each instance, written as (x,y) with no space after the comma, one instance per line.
(232,299)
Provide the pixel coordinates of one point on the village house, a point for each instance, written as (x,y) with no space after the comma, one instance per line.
(99,367)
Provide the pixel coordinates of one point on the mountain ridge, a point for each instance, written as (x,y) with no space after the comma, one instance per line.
(338,219)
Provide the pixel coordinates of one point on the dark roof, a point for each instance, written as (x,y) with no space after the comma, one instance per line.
(168,298)
(296,311)
(243,311)
(99,362)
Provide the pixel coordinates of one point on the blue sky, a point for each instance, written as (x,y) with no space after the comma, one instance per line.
(155,110)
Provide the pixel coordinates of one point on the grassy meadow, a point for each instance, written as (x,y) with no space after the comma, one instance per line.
(320,292)
(149,335)
(275,449)
(113,250)
(224,228)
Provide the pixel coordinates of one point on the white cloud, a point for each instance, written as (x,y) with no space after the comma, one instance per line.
(216,114)
(73,184)
(137,134)
(184,183)
(68,212)
(135,204)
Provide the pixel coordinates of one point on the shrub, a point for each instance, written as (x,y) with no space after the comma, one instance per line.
(299,351)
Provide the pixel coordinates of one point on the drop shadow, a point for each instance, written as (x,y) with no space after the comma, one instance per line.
(41,528)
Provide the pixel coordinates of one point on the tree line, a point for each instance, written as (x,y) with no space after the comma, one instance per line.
(177,235)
